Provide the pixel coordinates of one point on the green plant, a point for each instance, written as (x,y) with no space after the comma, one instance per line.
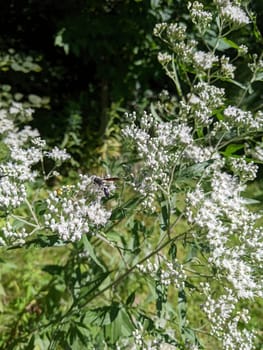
(169,255)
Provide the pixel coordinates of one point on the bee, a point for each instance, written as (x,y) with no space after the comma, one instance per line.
(101,183)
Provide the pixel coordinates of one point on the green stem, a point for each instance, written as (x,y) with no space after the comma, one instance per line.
(32,212)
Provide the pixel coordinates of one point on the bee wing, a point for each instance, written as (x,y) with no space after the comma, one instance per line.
(111,179)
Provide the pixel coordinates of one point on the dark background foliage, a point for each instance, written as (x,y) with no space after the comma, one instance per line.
(108,59)
(111,58)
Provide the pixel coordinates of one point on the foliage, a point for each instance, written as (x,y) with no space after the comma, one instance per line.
(109,60)
(165,252)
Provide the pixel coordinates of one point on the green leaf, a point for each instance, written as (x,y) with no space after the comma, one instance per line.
(161,292)
(232,148)
(196,170)
(251,201)
(114,236)
(181,307)
(40,207)
(241,86)
(120,324)
(130,299)
(258,76)
(53,269)
(229,43)
(165,217)
(190,336)
(192,252)
(59,41)
(124,320)
(45,241)
(122,211)
(88,247)
(172,251)
(92,285)
(4,152)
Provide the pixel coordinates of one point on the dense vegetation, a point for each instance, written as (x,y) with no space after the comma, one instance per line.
(130,175)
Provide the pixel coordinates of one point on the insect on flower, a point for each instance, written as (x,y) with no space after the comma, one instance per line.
(101,182)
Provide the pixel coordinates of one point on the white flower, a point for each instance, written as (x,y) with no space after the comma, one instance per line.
(198,15)
(97,214)
(222,217)
(246,171)
(76,210)
(204,60)
(159,28)
(5,123)
(237,117)
(232,12)
(12,193)
(164,58)
(59,155)
(227,68)
(257,153)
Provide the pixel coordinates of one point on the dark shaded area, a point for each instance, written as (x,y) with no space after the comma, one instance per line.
(111,58)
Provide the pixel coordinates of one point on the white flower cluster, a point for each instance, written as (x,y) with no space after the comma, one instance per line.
(141,339)
(164,58)
(58,155)
(187,51)
(202,102)
(199,16)
(138,337)
(235,116)
(225,320)
(76,210)
(12,194)
(227,69)
(176,35)
(257,152)
(153,141)
(166,272)
(256,66)
(25,149)
(13,234)
(246,171)
(17,109)
(21,157)
(231,12)
(224,219)
(175,31)
(204,60)
(22,149)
